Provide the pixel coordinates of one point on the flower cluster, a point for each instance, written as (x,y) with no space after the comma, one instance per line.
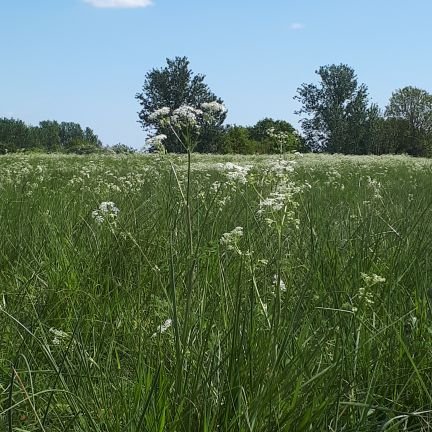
(156,143)
(163,327)
(236,173)
(107,211)
(231,239)
(372,279)
(159,115)
(284,140)
(213,110)
(186,116)
(282,286)
(59,336)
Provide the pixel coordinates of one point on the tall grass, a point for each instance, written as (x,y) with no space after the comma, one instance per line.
(315,314)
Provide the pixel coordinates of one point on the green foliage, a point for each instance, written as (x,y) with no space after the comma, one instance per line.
(236,139)
(337,115)
(412,108)
(173,86)
(49,136)
(264,294)
(267,136)
(122,149)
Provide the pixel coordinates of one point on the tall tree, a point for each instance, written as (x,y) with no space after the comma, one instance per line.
(275,136)
(173,86)
(337,113)
(414,107)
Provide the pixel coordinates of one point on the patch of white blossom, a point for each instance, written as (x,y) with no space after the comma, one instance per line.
(107,211)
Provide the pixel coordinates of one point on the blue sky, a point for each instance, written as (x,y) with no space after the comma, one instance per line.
(76,60)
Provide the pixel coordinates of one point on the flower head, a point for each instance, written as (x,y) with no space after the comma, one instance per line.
(163,327)
(106,210)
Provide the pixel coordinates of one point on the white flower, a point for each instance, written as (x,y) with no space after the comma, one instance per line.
(186,116)
(230,239)
(159,114)
(235,172)
(214,107)
(282,167)
(282,285)
(372,279)
(107,209)
(59,336)
(163,327)
(213,111)
(155,142)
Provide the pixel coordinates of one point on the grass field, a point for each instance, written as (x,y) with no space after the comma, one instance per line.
(242,294)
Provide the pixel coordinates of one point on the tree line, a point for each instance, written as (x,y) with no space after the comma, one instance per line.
(336,116)
(48,136)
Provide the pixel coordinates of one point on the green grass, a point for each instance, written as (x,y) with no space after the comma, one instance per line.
(282,328)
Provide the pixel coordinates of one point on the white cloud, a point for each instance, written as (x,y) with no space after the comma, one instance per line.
(297,26)
(125,4)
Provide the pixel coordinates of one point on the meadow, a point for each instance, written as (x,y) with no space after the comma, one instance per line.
(237,293)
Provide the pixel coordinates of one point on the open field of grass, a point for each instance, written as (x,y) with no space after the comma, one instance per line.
(242,294)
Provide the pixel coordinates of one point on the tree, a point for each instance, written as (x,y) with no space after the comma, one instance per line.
(236,139)
(412,107)
(49,135)
(173,86)
(15,134)
(337,114)
(275,136)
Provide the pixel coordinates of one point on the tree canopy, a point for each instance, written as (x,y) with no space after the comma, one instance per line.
(173,86)
(337,113)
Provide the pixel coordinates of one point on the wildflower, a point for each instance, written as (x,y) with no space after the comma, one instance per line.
(280,198)
(230,239)
(163,327)
(155,143)
(212,111)
(186,116)
(282,285)
(236,173)
(159,114)
(281,167)
(59,336)
(214,107)
(106,210)
(372,279)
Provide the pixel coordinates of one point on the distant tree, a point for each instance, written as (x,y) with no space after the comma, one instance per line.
(260,130)
(275,136)
(15,134)
(337,114)
(49,135)
(120,148)
(173,86)
(236,139)
(411,107)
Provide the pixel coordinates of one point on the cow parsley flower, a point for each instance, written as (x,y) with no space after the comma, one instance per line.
(230,239)
(160,114)
(156,143)
(372,279)
(282,285)
(107,211)
(186,116)
(163,327)
(212,111)
(59,336)
(236,173)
